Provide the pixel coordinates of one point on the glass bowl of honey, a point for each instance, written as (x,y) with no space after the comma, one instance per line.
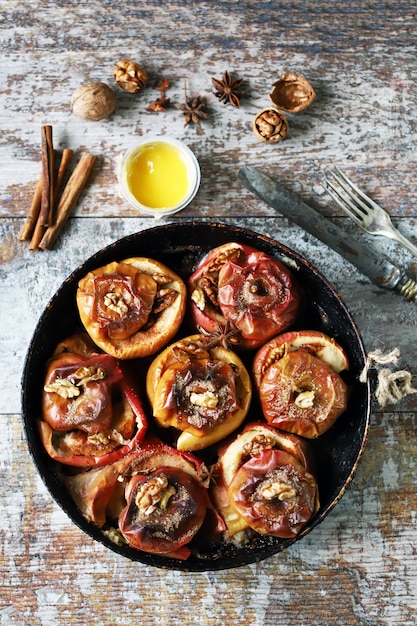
(159,176)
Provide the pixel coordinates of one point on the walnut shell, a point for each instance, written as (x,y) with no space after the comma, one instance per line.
(270,125)
(130,76)
(292,93)
(93,101)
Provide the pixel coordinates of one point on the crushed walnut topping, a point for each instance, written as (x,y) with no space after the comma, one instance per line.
(257,445)
(276,354)
(205,399)
(277,485)
(154,493)
(198,298)
(106,437)
(86,375)
(305,399)
(161,279)
(115,302)
(63,387)
(193,348)
(164,299)
(271,489)
(209,286)
(69,388)
(223,257)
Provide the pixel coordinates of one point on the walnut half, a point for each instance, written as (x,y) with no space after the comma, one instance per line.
(270,125)
(130,76)
(292,93)
(152,493)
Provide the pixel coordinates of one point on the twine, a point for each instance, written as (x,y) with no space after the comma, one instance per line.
(392,386)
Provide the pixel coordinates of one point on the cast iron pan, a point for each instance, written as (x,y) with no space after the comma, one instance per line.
(181,246)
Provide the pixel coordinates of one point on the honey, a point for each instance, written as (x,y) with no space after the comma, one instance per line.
(160,175)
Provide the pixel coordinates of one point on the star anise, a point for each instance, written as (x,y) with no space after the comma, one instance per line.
(193,109)
(224,336)
(210,475)
(162,85)
(227,90)
(159,106)
(162,103)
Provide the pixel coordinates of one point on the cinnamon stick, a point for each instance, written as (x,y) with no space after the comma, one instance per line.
(37,235)
(68,200)
(47,154)
(32,216)
(65,159)
(33,213)
(39,229)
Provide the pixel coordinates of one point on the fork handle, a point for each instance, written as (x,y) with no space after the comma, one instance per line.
(397,236)
(407,287)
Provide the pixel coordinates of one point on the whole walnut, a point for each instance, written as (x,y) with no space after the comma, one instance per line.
(93,101)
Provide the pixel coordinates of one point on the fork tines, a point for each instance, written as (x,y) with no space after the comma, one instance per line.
(366,213)
(347,195)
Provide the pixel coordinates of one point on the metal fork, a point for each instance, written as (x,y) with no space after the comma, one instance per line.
(365,212)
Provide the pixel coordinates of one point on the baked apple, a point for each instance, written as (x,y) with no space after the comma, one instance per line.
(299,388)
(258,457)
(167,502)
(97,492)
(91,414)
(245,289)
(314,341)
(254,438)
(274,494)
(132,308)
(155,497)
(204,391)
(164,511)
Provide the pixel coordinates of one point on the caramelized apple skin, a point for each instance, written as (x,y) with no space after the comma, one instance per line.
(91,412)
(202,391)
(131,308)
(274,494)
(164,521)
(302,394)
(245,288)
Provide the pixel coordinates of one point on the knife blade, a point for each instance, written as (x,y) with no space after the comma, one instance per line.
(379,269)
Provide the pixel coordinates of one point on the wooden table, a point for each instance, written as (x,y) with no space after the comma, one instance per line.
(359,565)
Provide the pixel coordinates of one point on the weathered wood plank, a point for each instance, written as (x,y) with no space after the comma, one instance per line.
(363,117)
(357,567)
